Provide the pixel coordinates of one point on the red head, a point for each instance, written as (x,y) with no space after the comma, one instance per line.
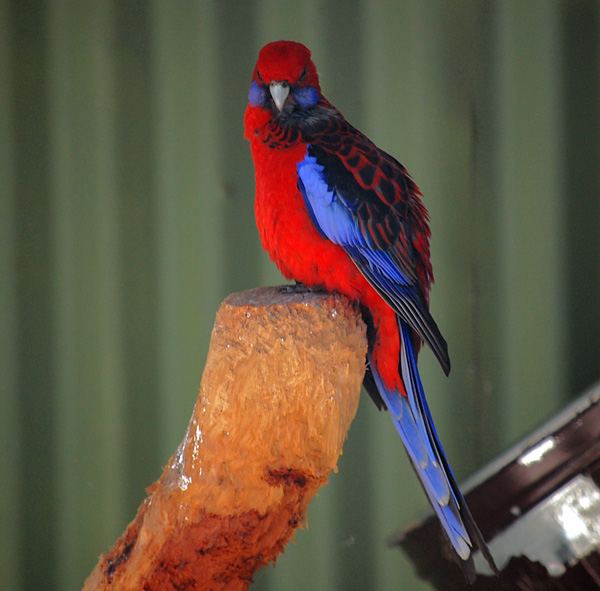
(286,61)
(284,84)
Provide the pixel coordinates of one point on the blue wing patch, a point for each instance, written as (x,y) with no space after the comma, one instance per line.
(331,214)
(336,220)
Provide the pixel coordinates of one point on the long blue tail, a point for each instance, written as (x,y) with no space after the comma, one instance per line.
(413,422)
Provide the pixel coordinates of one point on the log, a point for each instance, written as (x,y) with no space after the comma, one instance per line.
(279,391)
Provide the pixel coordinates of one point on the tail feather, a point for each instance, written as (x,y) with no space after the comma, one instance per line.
(414,424)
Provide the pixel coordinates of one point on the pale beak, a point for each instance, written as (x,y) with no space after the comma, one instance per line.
(279,92)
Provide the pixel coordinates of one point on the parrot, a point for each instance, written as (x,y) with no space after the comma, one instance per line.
(336,213)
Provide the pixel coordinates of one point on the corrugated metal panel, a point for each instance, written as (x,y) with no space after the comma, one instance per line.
(126,216)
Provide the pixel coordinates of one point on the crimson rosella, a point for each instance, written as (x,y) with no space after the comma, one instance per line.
(337,213)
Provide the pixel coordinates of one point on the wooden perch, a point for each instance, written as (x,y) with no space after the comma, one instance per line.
(279,391)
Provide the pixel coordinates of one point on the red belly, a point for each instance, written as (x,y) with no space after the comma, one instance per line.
(301,253)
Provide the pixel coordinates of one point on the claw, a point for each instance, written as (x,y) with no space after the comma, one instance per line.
(300,288)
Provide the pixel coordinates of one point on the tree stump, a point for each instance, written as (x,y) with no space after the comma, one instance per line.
(279,391)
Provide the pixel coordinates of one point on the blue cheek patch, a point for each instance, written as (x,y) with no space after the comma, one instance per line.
(257,95)
(306,96)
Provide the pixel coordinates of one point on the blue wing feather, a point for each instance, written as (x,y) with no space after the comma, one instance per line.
(332,215)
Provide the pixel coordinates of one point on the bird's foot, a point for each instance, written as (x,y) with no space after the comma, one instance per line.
(300,288)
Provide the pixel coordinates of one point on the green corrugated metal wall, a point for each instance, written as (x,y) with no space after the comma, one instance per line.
(126,216)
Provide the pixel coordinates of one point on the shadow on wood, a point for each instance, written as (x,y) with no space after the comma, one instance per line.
(280,389)
(538,506)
